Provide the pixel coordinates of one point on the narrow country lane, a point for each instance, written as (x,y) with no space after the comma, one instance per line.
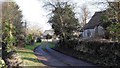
(67,59)
(51,57)
(46,58)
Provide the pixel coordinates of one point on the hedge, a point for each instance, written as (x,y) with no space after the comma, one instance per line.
(100,52)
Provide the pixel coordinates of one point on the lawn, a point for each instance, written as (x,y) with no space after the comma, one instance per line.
(32,47)
(50,44)
(28,57)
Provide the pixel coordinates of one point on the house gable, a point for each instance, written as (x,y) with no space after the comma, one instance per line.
(93,28)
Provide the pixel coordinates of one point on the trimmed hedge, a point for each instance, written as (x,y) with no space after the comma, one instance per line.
(68,43)
(107,53)
(98,52)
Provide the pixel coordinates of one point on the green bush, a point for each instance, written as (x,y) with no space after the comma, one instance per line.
(38,39)
(107,53)
(68,43)
(2,63)
(48,36)
(98,52)
(30,39)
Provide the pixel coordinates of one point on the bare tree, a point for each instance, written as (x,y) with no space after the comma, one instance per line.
(115,8)
(85,15)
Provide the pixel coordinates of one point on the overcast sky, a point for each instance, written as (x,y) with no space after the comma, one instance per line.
(35,14)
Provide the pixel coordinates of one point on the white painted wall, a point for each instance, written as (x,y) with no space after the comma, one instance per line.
(89,33)
(92,32)
(101,30)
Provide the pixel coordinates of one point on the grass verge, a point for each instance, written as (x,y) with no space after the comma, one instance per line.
(28,57)
(50,44)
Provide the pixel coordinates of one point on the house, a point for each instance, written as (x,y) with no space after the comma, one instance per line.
(94,27)
(48,32)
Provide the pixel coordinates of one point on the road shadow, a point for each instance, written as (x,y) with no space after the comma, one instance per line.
(31,59)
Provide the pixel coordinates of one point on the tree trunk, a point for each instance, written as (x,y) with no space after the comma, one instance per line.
(4,51)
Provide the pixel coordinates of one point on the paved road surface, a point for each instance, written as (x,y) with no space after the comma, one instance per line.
(67,59)
(46,58)
(53,58)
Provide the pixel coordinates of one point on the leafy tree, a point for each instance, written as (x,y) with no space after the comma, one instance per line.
(111,18)
(48,36)
(30,39)
(114,10)
(12,14)
(63,20)
(11,27)
(113,15)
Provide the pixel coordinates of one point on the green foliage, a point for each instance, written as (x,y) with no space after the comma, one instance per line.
(111,20)
(98,52)
(32,47)
(104,18)
(38,39)
(2,63)
(51,44)
(12,21)
(11,28)
(101,50)
(30,39)
(48,36)
(114,30)
(9,39)
(63,20)
(28,56)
